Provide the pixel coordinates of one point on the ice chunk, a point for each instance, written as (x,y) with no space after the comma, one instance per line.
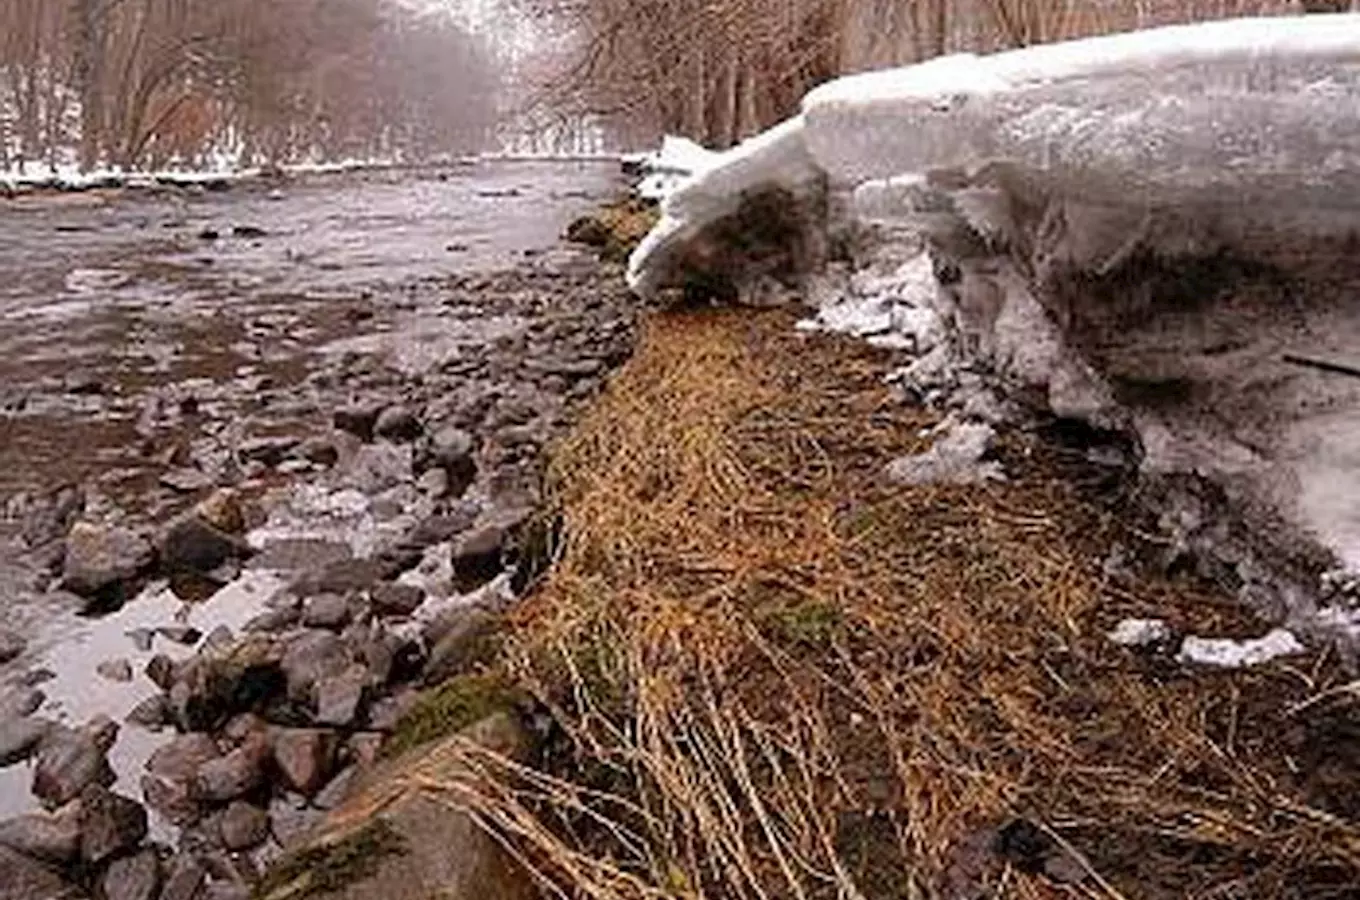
(1225,653)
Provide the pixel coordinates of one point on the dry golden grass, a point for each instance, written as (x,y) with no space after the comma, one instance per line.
(779,676)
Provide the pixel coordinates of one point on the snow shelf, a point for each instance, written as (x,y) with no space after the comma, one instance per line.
(1247,121)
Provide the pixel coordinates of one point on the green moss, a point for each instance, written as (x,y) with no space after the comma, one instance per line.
(326,869)
(450,708)
(812,623)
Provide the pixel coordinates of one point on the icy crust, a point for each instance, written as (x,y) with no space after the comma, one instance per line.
(1250,126)
(776,157)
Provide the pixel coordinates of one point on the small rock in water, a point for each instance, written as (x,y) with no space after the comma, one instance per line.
(326,611)
(243,826)
(397,424)
(161,670)
(115,670)
(20,737)
(136,877)
(68,762)
(1140,632)
(142,639)
(110,824)
(193,545)
(180,634)
(20,702)
(154,713)
(103,730)
(11,646)
(49,836)
(186,481)
(394,599)
(222,510)
(250,232)
(358,419)
(100,559)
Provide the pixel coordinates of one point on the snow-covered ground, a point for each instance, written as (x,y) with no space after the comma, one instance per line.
(1211,156)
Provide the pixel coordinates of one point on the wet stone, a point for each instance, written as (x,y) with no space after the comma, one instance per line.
(52,837)
(115,670)
(101,559)
(340,699)
(136,877)
(180,634)
(154,712)
(161,670)
(20,702)
(11,646)
(27,879)
(232,776)
(67,763)
(188,879)
(110,824)
(326,611)
(397,423)
(20,737)
(396,599)
(193,545)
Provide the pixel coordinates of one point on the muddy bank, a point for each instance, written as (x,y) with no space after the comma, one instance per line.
(274,498)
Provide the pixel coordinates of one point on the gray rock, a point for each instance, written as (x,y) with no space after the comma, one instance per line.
(27,879)
(319,450)
(326,611)
(103,730)
(290,822)
(397,423)
(342,576)
(68,762)
(461,639)
(385,714)
(110,824)
(333,794)
(11,646)
(136,877)
(310,657)
(142,639)
(365,747)
(341,699)
(154,712)
(186,481)
(188,879)
(20,737)
(243,826)
(358,419)
(52,837)
(393,599)
(218,640)
(171,770)
(20,702)
(185,635)
(477,556)
(451,450)
(192,545)
(434,483)
(101,559)
(212,687)
(269,451)
(375,468)
(305,757)
(162,671)
(234,775)
(115,670)
(273,621)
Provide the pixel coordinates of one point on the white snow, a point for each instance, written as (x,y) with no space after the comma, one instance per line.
(1140,632)
(1257,117)
(955,458)
(1226,653)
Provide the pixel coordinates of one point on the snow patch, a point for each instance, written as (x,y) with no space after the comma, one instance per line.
(1225,653)
(955,458)
(1140,632)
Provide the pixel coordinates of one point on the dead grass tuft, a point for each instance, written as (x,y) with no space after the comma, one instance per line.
(779,676)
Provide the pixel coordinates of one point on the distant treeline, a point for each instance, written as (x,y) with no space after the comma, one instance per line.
(721,71)
(149,83)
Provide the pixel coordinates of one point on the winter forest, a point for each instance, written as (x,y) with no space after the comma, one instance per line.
(141,84)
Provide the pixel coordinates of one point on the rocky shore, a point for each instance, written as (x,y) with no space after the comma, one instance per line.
(379,539)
